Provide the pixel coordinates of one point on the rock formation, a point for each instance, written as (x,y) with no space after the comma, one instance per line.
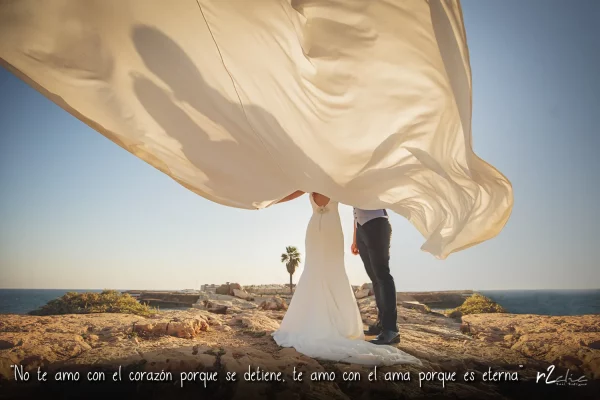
(199,340)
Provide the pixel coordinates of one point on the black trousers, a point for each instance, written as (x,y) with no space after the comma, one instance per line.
(373,241)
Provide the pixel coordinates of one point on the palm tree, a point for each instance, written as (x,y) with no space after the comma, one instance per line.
(291,258)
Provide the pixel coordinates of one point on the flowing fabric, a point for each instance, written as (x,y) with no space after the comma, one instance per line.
(244,102)
(323,320)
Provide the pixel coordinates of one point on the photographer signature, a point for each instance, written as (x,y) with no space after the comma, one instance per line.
(566,380)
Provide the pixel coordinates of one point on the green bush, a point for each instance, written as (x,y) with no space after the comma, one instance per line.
(109,301)
(476,304)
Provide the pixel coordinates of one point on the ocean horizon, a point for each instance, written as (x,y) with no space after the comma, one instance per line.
(557,302)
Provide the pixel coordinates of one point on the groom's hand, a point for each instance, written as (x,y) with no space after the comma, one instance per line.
(354,249)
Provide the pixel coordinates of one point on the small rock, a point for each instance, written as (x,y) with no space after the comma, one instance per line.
(465,328)
(594,345)
(7,344)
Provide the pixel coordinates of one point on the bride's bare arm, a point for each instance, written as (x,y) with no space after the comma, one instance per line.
(320,200)
(292,196)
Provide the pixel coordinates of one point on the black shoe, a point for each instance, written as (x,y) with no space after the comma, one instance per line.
(373,330)
(387,337)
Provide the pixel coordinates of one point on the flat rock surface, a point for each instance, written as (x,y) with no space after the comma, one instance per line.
(196,340)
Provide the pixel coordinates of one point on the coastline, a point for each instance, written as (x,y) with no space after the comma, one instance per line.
(201,339)
(538,302)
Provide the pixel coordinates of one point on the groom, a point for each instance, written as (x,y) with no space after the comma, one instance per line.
(372,234)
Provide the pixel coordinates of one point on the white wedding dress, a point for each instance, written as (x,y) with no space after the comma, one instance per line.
(323,320)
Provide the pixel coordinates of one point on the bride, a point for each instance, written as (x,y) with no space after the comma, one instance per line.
(323,320)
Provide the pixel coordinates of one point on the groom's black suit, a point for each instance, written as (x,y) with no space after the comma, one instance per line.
(373,242)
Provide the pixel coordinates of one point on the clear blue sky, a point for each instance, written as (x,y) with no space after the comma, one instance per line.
(77,211)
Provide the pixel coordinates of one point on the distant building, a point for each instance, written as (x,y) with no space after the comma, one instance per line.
(212,288)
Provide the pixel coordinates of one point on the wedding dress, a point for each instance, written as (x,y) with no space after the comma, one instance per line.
(245,102)
(323,320)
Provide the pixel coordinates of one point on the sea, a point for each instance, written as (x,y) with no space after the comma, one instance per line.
(547,302)
(542,302)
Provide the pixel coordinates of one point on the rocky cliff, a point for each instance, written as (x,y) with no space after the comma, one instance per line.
(206,343)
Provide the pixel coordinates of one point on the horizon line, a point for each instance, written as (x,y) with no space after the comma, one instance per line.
(285,285)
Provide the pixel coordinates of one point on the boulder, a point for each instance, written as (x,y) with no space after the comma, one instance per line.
(215,308)
(362,293)
(242,294)
(274,303)
(365,290)
(223,289)
(228,289)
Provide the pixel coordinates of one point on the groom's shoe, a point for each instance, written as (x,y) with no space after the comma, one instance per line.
(387,337)
(374,329)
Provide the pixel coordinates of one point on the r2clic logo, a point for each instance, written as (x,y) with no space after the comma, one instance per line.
(567,380)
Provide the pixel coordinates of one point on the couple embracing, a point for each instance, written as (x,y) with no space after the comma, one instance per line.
(323,320)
